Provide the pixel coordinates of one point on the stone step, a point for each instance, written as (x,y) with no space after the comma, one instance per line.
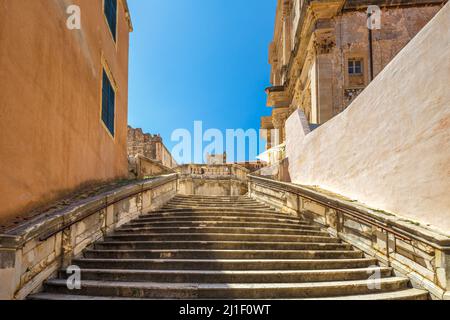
(227,291)
(231,218)
(223,213)
(222,224)
(215,202)
(219,237)
(215,198)
(224,264)
(228,230)
(225,248)
(200,197)
(170,207)
(189,204)
(406,294)
(176,205)
(227,201)
(219,209)
(220,254)
(219,245)
(45,296)
(208,276)
(227,208)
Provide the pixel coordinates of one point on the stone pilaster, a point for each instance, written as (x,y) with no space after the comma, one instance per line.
(9,265)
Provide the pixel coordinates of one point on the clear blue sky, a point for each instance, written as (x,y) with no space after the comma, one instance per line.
(199,60)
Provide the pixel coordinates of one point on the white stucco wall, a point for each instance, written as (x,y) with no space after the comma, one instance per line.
(391,148)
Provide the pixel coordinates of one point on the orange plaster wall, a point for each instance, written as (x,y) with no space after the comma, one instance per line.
(52,139)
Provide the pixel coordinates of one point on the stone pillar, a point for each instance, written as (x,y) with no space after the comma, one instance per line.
(325,88)
(286,37)
(280,116)
(276,123)
(269,139)
(9,277)
(324,44)
(443,271)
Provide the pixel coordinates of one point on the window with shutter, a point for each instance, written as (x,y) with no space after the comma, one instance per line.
(108,103)
(110,7)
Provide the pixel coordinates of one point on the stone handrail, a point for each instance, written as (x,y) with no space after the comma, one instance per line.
(32,252)
(418,252)
(141,167)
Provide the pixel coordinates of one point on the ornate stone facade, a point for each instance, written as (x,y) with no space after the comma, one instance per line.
(321,58)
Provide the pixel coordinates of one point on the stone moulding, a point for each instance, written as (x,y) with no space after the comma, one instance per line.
(35,250)
(127,15)
(411,250)
(278,98)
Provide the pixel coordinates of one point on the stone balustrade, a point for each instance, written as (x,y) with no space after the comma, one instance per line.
(140,167)
(420,253)
(36,250)
(212,180)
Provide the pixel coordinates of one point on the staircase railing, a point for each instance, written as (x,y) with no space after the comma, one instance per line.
(408,247)
(54,238)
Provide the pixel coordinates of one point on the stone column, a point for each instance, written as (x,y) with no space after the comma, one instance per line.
(279,127)
(269,138)
(286,37)
(324,73)
(280,116)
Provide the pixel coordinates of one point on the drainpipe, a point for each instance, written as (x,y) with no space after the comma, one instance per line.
(369,16)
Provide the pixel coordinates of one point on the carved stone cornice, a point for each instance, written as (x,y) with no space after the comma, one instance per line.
(266,123)
(278,97)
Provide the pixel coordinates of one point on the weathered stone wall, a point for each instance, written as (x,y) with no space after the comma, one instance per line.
(391,148)
(149,146)
(252,165)
(398,27)
(141,167)
(52,138)
(33,252)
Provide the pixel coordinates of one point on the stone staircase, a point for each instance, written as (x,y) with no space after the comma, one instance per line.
(199,247)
